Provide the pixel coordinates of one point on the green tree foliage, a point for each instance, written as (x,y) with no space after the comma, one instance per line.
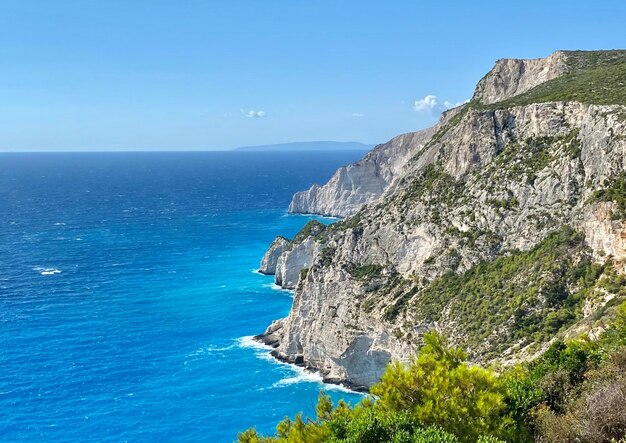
(529,295)
(615,191)
(439,389)
(438,398)
(575,392)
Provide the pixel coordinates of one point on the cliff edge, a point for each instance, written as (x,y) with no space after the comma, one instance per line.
(501,227)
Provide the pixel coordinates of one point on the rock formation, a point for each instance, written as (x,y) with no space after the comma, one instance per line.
(502,227)
(270,259)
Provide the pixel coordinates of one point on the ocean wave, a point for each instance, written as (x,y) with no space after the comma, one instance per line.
(297,374)
(47,271)
(275,287)
(311,215)
(249,342)
(301,376)
(209,349)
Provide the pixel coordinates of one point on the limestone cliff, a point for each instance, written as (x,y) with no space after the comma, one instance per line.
(285,259)
(362,182)
(511,77)
(270,259)
(502,227)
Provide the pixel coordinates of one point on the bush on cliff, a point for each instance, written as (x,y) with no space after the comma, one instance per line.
(436,398)
(439,388)
(575,392)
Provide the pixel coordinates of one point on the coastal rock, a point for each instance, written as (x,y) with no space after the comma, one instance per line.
(511,77)
(270,259)
(362,182)
(485,184)
(292,261)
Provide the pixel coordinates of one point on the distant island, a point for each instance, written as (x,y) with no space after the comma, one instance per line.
(310,146)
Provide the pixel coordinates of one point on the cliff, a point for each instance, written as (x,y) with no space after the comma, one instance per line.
(354,185)
(502,227)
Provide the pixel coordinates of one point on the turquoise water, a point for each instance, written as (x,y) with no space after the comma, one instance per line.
(128,294)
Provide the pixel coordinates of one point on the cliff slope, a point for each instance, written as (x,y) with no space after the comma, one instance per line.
(502,227)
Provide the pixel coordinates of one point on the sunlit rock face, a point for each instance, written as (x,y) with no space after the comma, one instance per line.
(485,182)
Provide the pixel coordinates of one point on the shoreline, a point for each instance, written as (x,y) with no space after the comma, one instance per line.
(299,362)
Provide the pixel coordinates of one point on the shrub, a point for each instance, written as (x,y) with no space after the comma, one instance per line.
(440,390)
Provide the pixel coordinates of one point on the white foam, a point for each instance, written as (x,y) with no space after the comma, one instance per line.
(276,287)
(298,373)
(310,215)
(47,271)
(249,342)
(209,349)
(301,376)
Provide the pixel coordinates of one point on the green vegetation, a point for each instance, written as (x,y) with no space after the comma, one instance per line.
(312,228)
(597,77)
(575,392)
(366,272)
(527,296)
(352,223)
(506,203)
(615,191)
(523,160)
(395,308)
(577,60)
(439,389)
(426,402)
(436,186)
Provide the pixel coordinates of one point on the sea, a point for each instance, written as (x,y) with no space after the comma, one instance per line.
(129,294)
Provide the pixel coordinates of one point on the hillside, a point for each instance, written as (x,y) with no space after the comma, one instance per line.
(502,228)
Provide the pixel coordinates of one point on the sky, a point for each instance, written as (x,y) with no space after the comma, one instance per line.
(201,75)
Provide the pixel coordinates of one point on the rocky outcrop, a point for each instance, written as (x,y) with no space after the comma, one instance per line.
(488,185)
(270,259)
(367,180)
(511,77)
(362,182)
(285,259)
(293,260)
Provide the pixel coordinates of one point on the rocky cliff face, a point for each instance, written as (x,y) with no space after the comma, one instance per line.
(285,259)
(270,259)
(502,227)
(511,77)
(365,181)
(354,185)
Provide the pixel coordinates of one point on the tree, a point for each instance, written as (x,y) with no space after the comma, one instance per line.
(439,389)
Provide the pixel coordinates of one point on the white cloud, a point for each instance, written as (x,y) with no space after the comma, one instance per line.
(254,114)
(431,104)
(356,114)
(426,104)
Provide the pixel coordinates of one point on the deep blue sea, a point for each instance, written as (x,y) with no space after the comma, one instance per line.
(128,294)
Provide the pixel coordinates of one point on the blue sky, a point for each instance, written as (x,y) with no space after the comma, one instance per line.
(150,74)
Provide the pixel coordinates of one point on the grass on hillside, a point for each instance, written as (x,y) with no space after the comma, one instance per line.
(596,77)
